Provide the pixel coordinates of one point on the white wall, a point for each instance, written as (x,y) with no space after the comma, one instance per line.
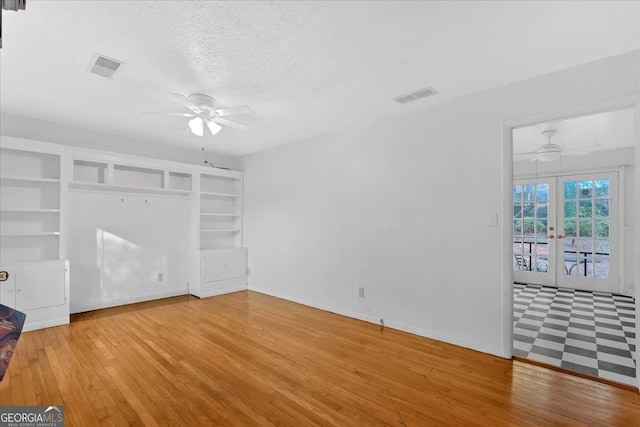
(401,207)
(40,130)
(600,160)
(127,248)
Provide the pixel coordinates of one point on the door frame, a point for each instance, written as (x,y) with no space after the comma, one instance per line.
(507,126)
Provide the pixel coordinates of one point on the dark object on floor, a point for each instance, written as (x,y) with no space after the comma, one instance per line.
(11,323)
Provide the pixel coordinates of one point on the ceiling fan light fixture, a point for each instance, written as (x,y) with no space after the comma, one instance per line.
(197,126)
(214,128)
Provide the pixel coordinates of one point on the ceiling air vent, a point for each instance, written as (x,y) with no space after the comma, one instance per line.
(414,96)
(104,66)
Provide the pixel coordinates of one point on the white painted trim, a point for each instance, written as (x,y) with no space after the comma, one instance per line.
(109,156)
(48,323)
(605,105)
(572,172)
(622,204)
(507,241)
(637,242)
(229,290)
(612,104)
(401,326)
(124,301)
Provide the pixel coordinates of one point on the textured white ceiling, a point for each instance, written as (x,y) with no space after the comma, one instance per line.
(597,132)
(305,67)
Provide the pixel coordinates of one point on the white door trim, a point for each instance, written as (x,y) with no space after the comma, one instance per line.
(507,126)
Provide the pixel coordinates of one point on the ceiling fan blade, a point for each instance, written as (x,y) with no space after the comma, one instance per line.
(185,101)
(197,126)
(169,114)
(575,153)
(230,123)
(240,109)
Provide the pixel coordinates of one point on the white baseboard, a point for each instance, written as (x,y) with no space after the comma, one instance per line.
(398,325)
(81,308)
(229,290)
(32,326)
(219,287)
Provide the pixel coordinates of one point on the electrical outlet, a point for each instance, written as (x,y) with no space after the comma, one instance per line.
(361,292)
(160,277)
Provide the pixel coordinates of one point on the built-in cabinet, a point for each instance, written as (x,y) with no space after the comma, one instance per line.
(40,290)
(39,180)
(222,260)
(221,271)
(31,238)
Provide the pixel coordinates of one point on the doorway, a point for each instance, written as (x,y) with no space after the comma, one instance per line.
(572,257)
(566,231)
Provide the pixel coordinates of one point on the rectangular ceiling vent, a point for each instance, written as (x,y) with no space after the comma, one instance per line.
(104,66)
(414,96)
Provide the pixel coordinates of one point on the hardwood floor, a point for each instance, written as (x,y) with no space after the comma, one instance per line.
(250,359)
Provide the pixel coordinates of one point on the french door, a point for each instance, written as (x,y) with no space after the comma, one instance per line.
(566,231)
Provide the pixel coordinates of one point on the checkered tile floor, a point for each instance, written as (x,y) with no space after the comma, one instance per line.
(588,332)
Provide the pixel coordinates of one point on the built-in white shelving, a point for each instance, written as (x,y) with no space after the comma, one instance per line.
(91,175)
(42,233)
(30,210)
(30,206)
(220,211)
(29,179)
(220,214)
(210,194)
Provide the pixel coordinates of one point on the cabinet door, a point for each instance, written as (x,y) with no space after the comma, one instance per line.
(213,265)
(7,290)
(40,286)
(236,263)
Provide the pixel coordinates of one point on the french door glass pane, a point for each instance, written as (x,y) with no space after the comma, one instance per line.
(530,227)
(602,267)
(602,207)
(585,209)
(542,192)
(542,210)
(602,228)
(570,190)
(584,189)
(602,187)
(586,227)
(517,193)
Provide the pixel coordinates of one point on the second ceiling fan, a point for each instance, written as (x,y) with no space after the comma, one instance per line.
(551,151)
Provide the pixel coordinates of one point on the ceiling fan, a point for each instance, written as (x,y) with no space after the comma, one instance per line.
(204,111)
(551,151)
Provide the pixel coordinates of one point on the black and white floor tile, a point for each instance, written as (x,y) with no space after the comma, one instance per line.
(588,332)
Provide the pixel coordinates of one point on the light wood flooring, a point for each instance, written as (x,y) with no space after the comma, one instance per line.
(252,360)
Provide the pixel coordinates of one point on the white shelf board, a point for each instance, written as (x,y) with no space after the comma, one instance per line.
(207,193)
(91,186)
(29,179)
(219,214)
(32,234)
(227,230)
(30,210)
